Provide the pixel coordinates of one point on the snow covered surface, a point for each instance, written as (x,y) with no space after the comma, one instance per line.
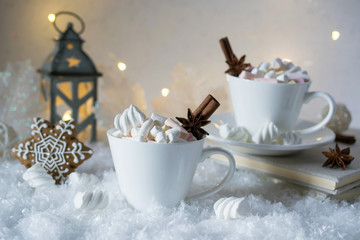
(278,210)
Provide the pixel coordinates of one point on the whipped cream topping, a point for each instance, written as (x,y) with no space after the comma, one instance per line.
(230,208)
(235,133)
(91,200)
(37,177)
(132,117)
(267,134)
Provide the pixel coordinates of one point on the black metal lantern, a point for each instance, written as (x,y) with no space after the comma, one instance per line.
(69,78)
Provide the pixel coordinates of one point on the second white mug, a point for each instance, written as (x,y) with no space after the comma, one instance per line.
(257,103)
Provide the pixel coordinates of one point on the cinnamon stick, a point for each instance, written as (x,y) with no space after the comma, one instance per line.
(345,138)
(226,47)
(207,107)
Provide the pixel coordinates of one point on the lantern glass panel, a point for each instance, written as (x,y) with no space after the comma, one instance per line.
(66,89)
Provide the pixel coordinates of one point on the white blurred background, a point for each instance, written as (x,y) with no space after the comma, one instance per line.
(174,44)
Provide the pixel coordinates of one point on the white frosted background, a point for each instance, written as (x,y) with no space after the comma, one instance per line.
(153,37)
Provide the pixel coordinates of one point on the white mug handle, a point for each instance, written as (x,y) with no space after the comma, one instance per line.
(332,107)
(205,154)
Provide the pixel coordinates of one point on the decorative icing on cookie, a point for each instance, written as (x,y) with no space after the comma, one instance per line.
(55,147)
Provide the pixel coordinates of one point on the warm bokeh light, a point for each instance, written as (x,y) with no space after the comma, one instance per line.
(67,115)
(286,59)
(51,17)
(121,66)
(335,35)
(165,92)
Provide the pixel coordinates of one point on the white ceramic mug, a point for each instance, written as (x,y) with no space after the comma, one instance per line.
(257,103)
(161,174)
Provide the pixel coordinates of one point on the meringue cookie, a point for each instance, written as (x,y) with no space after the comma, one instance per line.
(236,133)
(91,200)
(267,134)
(290,138)
(82,180)
(231,208)
(37,177)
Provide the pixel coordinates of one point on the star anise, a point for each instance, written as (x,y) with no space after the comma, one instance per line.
(338,157)
(237,66)
(194,123)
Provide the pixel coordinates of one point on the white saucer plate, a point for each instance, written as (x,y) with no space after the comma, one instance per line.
(311,140)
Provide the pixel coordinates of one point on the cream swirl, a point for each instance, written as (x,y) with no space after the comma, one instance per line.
(267,134)
(91,200)
(236,133)
(230,208)
(37,177)
(132,117)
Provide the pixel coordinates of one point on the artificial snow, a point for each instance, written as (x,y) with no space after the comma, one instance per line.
(278,210)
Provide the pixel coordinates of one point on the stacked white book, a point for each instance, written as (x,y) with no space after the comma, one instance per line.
(304,168)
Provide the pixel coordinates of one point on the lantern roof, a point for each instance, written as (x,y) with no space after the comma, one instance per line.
(68,57)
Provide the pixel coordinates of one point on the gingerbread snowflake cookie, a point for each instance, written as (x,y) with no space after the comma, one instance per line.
(55,147)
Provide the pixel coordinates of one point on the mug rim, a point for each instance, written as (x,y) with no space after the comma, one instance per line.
(231,77)
(111,130)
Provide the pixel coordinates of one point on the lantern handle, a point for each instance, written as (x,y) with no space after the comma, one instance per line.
(72,14)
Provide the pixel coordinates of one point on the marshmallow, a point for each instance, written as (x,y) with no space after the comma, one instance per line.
(246,75)
(155,130)
(282,78)
(287,65)
(173,135)
(299,80)
(277,63)
(293,69)
(145,129)
(172,123)
(257,73)
(264,66)
(160,137)
(298,75)
(270,74)
(158,119)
